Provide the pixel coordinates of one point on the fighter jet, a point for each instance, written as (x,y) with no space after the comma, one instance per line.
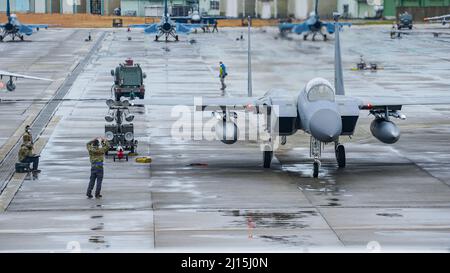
(196,17)
(16,29)
(10,85)
(444,19)
(320,109)
(312,26)
(167,27)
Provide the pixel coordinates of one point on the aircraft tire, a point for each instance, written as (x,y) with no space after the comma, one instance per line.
(176,38)
(340,156)
(267,157)
(325,38)
(1,38)
(316,169)
(283,140)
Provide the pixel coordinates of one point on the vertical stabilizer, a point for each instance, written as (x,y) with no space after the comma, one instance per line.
(338,75)
(166,10)
(8,9)
(316,8)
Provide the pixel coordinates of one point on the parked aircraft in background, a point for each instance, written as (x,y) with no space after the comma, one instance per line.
(10,85)
(14,28)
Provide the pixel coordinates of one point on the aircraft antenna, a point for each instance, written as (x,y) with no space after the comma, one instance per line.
(249,87)
(338,75)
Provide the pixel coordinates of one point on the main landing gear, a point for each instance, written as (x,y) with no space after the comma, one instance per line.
(305,37)
(267,158)
(167,35)
(340,154)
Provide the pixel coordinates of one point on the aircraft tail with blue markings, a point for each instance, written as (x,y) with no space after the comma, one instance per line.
(8,9)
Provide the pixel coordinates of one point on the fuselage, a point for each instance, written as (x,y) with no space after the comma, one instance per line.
(13,24)
(166,25)
(195,17)
(315,109)
(314,23)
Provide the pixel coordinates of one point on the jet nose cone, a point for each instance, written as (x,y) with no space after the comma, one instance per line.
(326,125)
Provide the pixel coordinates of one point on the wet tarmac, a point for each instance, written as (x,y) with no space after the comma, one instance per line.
(208,196)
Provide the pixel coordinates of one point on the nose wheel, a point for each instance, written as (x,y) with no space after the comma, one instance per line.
(316,167)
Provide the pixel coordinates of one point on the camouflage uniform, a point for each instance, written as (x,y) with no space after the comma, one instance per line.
(96,155)
(27,137)
(26,155)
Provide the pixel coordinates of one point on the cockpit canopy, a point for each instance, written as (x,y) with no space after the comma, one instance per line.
(319,89)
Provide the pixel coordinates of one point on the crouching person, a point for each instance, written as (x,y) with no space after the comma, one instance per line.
(97,149)
(26,155)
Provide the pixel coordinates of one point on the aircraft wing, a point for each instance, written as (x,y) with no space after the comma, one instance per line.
(300,28)
(205,103)
(286,27)
(180,19)
(140,25)
(183,28)
(14,75)
(36,26)
(437,18)
(153,28)
(331,28)
(396,103)
(416,32)
(193,26)
(25,30)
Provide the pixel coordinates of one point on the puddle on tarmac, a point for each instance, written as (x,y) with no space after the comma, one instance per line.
(100,226)
(390,214)
(293,240)
(263,219)
(97,239)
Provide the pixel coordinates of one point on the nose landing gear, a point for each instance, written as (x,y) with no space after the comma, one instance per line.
(315,151)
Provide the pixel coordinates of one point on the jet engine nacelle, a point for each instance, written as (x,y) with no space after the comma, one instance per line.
(385,131)
(166,26)
(227,132)
(10,86)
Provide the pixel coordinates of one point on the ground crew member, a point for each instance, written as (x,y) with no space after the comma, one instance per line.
(26,156)
(222,74)
(97,149)
(27,137)
(215,26)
